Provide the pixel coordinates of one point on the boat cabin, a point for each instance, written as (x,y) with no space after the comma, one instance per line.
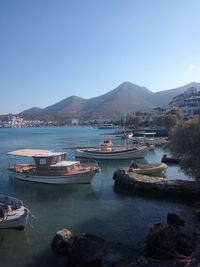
(48,159)
(106,146)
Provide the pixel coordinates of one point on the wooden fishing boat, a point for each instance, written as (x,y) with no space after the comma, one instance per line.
(108,151)
(12,213)
(51,168)
(148,168)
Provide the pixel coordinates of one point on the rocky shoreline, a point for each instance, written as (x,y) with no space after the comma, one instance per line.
(165,245)
(144,184)
(89,250)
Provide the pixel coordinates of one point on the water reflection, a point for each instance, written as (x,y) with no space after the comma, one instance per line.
(48,192)
(191,167)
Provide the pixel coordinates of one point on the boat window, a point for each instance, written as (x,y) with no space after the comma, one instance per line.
(43,162)
(59,158)
(54,160)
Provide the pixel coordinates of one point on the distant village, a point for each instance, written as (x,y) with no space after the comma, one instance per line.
(13,121)
(188,102)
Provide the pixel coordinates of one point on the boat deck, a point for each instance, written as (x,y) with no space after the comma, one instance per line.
(114,149)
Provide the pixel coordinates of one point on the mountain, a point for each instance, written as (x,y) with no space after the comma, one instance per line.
(127,97)
(66,108)
(31,111)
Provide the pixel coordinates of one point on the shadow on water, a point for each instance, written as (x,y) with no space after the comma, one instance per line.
(48,192)
(117,225)
(125,219)
(40,256)
(125,191)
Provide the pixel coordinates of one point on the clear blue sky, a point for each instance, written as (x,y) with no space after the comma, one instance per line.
(52,49)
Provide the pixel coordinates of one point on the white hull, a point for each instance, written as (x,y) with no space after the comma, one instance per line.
(123,154)
(150,169)
(16,219)
(81,178)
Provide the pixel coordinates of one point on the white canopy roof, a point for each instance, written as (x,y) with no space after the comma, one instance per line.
(50,154)
(65,164)
(28,152)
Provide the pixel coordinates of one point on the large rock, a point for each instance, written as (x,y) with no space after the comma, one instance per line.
(175,220)
(61,243)
(87,250)
(163,243)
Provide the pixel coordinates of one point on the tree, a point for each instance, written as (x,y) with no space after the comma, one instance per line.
(185,144)
(133,120)
(175,111)
(170,119)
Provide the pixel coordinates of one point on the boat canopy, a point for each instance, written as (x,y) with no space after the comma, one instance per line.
(28,152)
(50,154)
(65,164)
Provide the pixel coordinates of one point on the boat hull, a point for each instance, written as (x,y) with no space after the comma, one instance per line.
(124,154)
(151,170)
(83,178)
(16,219)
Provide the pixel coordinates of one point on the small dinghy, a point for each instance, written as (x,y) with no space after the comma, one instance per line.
(12,213)
(148,168)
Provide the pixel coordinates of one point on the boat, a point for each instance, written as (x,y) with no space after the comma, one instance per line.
(170,160)
(127,135)
(148,168)
(107,126)
(108,151)
(124,134)
(51,168)
(12,213)
(150,139)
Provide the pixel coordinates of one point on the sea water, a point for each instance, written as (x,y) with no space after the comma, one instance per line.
(93,208)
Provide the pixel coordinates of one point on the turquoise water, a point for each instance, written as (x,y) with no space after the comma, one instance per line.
(94,208)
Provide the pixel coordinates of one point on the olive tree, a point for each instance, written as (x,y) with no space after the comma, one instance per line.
(185,144)
(170,119)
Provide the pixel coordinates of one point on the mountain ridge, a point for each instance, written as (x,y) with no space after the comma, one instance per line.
(126,97)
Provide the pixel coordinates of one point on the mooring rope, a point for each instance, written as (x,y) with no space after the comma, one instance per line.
(35,220)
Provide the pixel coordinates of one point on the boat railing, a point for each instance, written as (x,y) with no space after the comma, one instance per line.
(89,162)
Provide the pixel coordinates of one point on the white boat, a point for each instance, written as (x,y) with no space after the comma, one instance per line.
(106,126)
(51,168)
(149,139)
(148,168)
(12,213)
(107,151)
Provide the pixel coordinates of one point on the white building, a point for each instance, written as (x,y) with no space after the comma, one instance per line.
(190,106)
(188,102)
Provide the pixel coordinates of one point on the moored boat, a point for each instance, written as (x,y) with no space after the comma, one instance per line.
(51,168)
(108,151)
(148,168)
(12,213)
(170,160)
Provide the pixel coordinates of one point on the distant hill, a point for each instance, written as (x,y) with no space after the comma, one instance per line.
(31,111)
(127,97)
